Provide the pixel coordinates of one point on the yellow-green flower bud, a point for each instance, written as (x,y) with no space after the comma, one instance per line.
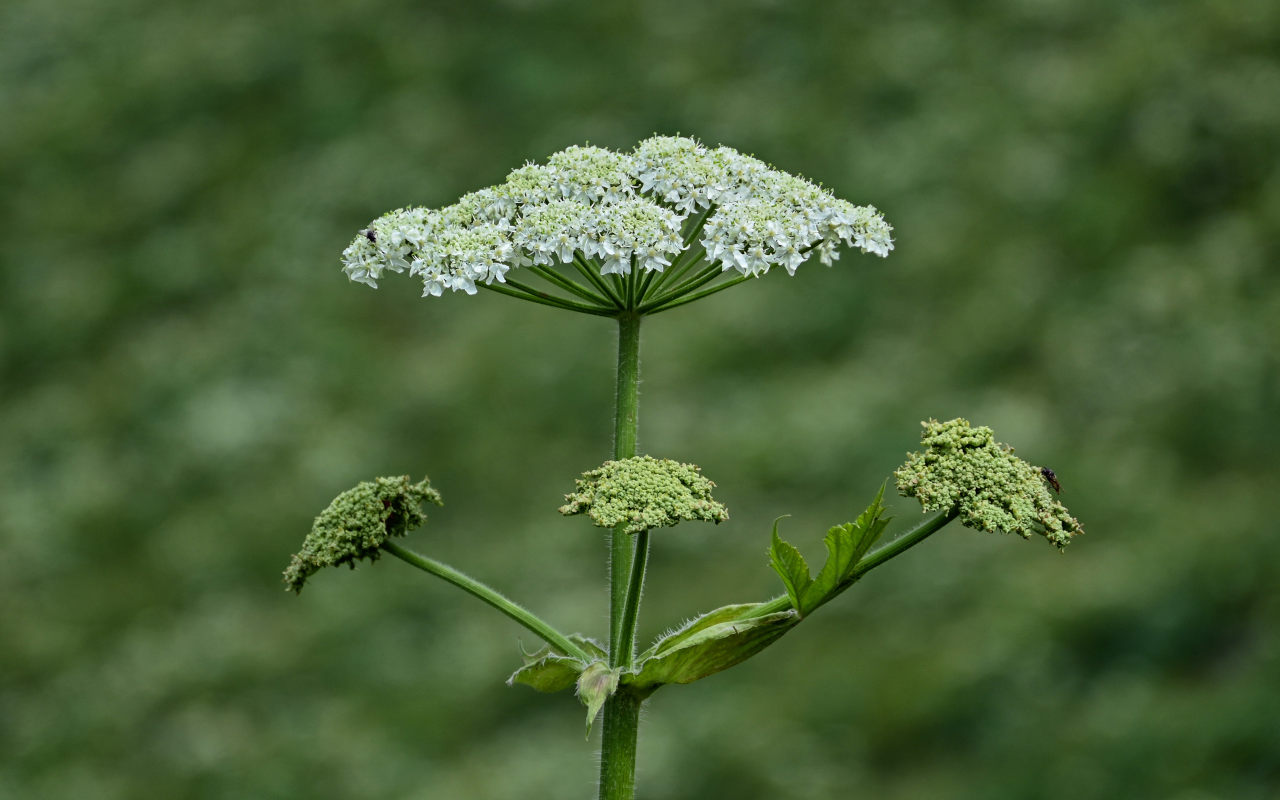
(643,493)
(964,469)
(357,522)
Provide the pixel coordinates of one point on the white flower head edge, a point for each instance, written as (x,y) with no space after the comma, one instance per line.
(619,209)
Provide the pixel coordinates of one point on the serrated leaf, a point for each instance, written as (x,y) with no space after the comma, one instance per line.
(596,684)
(842,556)
(711,643)
(790,566)
(870,524)
(846,545)
(548,672)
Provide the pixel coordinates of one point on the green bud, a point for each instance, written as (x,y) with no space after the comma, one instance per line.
(643,493)
(357,522)
(596,684)
(964,469)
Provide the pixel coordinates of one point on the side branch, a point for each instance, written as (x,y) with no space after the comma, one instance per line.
(622,652)
(479,590)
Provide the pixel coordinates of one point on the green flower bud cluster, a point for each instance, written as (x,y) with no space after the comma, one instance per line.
(964,469)
(643,493)
(357,522)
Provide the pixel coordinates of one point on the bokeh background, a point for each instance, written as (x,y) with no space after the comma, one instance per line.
(1087,206)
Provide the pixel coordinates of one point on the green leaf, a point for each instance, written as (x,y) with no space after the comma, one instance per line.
(790,566)
(674,638)
(708,644)
(590,645)
(846,545)
(548,671)
(596,684)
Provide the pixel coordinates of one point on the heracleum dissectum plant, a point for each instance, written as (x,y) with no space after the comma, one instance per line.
(629,235)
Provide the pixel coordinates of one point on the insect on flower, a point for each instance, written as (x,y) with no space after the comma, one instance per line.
(370,234)
(1052,479)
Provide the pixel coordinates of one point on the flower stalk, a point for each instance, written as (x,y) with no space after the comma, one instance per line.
(488,595)
(631,604)
(625,427)
(622,709)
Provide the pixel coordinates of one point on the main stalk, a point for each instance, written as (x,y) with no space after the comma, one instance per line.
(622,710)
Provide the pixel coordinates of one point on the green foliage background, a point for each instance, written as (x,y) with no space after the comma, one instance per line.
(1087,203)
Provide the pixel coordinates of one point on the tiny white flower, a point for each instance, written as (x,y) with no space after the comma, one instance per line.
(616,208)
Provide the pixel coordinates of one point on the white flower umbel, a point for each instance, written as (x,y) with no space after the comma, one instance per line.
(647,229)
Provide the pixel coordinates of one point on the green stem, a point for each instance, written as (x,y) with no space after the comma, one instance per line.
(564,302)
(622,710)
(625,647)
(644,285)
(918,533)
(921,531)
(551,276)
(698,224)
(626,399)
(596,279)
(689,298)
(618,746)
(708,274)
(633,280)
(676,272)
(477,589)
(523,292)
(619,283)
(625,424)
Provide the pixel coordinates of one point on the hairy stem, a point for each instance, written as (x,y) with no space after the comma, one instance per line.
(622,710)
(625,647)
(618,746)
(477,589)
(625,424)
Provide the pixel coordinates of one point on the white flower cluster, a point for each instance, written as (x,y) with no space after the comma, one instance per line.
(783,220)
(619,209)
(614,234)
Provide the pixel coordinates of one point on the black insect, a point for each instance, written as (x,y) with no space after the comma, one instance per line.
(370,234)
(1048,475)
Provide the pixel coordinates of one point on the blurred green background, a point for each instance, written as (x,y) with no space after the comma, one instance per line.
(1087,206)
